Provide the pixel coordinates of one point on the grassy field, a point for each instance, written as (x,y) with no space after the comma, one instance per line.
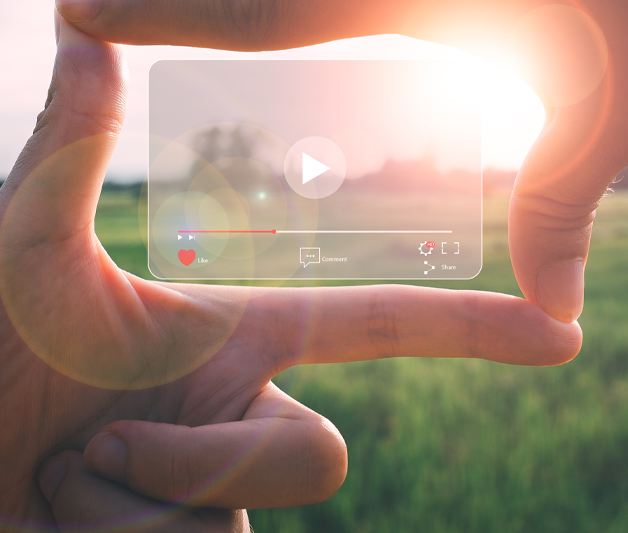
(466,446)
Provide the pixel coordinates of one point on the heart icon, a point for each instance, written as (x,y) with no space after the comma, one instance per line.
(187,256)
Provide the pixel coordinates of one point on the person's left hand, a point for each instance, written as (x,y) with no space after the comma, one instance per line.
(180,374)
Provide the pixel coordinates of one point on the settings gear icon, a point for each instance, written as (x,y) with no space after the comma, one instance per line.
(429,248)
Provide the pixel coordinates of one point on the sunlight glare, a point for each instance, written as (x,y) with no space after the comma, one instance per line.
(512,114)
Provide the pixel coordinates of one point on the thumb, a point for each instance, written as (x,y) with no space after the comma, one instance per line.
(48,202)
(577,65)
(280,454)
(56,181)
(552,208)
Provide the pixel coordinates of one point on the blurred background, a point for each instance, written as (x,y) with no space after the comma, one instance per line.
(434,445)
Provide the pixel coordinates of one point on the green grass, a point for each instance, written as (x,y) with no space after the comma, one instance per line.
(459,445)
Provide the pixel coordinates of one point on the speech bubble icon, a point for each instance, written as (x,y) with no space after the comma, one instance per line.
(310,255)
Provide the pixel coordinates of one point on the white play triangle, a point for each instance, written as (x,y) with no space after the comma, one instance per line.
(312,168)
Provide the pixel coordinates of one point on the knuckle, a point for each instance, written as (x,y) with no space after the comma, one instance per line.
(548,213)
(89,88)
(473,329)
(180,484)
(65,500)
(87,117)
(382,326)
(254,21)
(183,476)
(42,114)
(85,506)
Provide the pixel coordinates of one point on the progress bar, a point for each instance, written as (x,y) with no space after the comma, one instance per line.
(363,231)
(315,231)
(229,231)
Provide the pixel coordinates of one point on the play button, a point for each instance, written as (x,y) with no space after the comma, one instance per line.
(315,167)
(312,168)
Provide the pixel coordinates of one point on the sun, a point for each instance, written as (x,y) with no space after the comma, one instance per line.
(512,114)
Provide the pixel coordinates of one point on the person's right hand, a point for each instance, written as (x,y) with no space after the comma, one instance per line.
(576,60)
(179,375)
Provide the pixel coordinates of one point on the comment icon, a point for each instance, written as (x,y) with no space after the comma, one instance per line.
(310,255)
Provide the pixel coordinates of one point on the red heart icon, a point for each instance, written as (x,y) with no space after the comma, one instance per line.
(187,256)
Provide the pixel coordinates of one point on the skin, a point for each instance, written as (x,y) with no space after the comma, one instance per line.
(182,373)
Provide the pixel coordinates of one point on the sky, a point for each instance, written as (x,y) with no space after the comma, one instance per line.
(512,115)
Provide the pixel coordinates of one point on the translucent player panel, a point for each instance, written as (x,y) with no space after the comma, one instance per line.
(283,169)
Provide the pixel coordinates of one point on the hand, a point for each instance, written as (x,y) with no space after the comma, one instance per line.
(181,373)
(576,62)
(95,325)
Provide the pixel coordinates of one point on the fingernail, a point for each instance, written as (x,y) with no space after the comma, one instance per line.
(79,10)
(51,475)
(109,454)
(560,290)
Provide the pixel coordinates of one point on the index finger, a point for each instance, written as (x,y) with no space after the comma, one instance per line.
(343,324)
(252,25)
(237,25)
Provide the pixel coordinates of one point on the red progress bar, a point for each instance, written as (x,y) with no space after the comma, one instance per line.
(227,231)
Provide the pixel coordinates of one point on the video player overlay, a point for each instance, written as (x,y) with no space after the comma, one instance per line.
(284,169)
